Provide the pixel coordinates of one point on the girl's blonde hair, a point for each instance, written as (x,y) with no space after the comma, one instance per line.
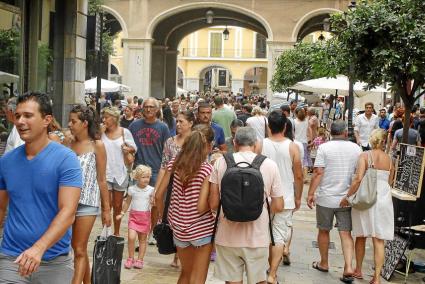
(141,170)
(377,137)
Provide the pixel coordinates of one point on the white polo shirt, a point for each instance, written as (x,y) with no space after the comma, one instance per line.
(365,127)
(339,160)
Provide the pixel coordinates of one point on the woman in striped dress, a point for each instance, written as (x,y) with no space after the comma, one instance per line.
(192,230)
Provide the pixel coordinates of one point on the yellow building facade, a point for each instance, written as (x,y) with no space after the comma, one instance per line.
(211,59)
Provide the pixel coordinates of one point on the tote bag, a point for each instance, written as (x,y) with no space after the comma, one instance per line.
(365,197)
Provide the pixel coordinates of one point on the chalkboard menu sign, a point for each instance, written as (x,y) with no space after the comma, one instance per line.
(410,169)
(394,250)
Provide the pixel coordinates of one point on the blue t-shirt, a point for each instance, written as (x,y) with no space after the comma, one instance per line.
(33,188)
(384,123)
(219,138)
(150,140)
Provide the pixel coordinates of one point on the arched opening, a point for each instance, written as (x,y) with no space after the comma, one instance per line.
(255,81)
(215,78)
(312,22)
(168,30)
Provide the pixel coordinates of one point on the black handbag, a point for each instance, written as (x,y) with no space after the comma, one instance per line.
(107,256)
(162,232)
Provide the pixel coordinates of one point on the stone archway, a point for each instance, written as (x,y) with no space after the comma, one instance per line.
(170,27)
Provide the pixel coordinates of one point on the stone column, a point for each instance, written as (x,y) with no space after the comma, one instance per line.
(274,50)
(237,84)
(69,52)
(158,71)
(171,74)
(137,66)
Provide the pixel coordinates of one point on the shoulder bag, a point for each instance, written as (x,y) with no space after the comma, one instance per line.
(366,195)
(162,232)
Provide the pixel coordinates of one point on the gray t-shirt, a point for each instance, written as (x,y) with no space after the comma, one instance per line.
(412,137)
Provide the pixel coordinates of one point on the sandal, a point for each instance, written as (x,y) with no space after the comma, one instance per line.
(316,266)
(347,278)
(358,276)
(286,260)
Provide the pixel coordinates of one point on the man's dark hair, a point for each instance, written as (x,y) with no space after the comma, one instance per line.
(218,101)
(43,100)
(236,123)
(285,108)
(204,105)
(277,121)
(288,130)
(247,107)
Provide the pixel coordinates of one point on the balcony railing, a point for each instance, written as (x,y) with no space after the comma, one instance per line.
(223,53)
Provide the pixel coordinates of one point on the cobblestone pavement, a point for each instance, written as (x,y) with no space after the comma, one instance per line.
(158,271)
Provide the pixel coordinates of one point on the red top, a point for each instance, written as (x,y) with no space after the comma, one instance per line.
(183,216)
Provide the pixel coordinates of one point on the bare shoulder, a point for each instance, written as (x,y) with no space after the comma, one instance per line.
(99,145)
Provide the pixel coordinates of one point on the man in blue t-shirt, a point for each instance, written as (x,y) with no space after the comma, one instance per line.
(204,117)
(41,182)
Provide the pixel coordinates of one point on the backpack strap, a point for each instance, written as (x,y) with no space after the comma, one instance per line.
(258,160)
(216,221)
(270,222)
(230,160)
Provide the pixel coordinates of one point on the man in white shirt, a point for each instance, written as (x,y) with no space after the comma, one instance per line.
(286,155)
(364,125)
(334,166)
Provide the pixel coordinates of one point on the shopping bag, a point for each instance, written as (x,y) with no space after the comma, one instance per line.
(107,257)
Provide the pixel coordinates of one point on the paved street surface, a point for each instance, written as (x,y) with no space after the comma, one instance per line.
(158,271)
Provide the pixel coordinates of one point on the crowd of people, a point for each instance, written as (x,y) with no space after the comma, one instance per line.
(124,159)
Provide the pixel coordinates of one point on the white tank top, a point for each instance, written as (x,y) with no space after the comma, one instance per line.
(279,153)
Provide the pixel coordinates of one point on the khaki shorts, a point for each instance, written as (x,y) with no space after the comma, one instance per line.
(231,263)
(282,227)
(325,217)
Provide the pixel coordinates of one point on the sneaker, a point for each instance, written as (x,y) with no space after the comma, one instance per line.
(213,256)
(129,263)
(138,264)
(151,241)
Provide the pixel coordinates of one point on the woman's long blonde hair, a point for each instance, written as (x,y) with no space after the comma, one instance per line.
(377,137)
(194,152)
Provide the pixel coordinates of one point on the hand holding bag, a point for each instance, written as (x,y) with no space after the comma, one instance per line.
(366,195)
(162,232)
(107,257)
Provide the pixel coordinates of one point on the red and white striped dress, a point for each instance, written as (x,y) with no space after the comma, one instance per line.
(186,222)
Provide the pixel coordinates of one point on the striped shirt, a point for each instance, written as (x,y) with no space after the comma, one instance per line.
(183,216)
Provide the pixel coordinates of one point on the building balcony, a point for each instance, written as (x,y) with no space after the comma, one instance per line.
(234,54)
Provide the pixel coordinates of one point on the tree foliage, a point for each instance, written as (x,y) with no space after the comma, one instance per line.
(9,50)
(386,43)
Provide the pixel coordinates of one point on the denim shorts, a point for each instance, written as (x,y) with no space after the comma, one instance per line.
(195,243)
(87,210)
(114,185)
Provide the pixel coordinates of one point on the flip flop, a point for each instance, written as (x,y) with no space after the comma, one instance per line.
(316,266)
(347,278)
(357,276)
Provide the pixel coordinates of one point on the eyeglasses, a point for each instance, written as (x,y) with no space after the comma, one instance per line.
(149,107)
